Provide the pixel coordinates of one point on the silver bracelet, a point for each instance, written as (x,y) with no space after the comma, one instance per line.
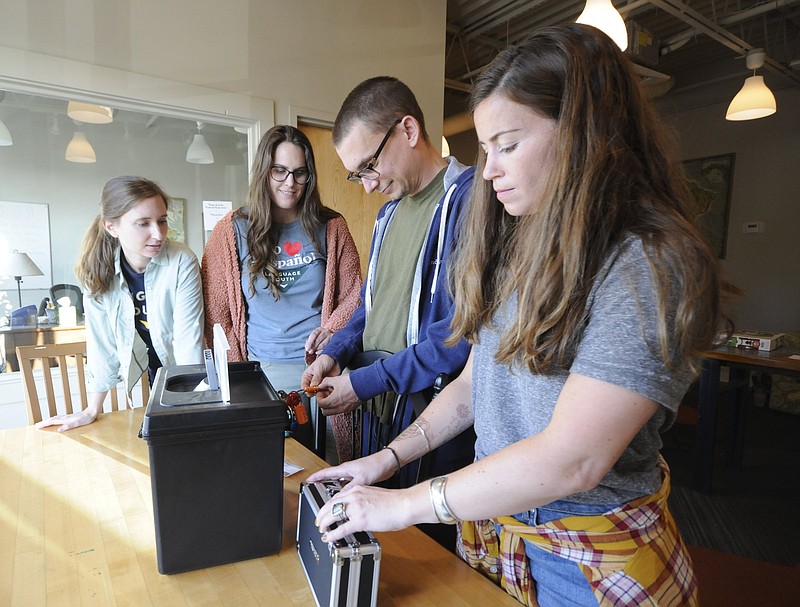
(425,436)
(396,459)
(440,507)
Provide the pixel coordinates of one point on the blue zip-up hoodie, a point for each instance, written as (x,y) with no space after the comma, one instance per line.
(414,368)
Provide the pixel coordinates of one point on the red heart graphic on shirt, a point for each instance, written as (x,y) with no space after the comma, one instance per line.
(292,248)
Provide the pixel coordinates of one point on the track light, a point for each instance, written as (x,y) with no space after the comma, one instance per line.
(199,152)
(754,99)
(602,15)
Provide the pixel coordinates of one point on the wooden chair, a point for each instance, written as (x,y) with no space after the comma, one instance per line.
(65,355)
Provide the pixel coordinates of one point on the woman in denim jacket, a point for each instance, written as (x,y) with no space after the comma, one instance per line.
(143,299)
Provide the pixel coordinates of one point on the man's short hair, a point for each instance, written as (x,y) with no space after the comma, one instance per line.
(377,102)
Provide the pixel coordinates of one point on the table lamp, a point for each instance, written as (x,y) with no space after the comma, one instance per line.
(18,264)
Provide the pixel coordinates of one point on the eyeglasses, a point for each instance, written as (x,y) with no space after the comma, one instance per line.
(280,173)
(369,172)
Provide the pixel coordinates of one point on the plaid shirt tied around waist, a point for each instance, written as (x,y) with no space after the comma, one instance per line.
(632,555)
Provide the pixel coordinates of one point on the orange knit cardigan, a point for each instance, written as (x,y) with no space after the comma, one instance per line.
(222,284)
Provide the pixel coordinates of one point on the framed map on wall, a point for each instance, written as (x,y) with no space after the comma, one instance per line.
(710,180)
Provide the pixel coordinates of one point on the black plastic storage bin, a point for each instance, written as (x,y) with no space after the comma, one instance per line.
(216,469)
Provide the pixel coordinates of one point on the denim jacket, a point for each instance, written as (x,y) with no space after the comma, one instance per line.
(114,350)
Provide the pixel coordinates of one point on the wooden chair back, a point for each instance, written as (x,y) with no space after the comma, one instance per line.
(65,356)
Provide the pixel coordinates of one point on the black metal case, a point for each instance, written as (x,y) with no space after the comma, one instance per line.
(343,573)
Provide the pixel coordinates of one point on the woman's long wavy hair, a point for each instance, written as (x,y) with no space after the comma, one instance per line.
(95,267)
(614,174)
(263,233)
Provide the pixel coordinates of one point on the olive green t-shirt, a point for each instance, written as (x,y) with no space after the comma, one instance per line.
(387,323)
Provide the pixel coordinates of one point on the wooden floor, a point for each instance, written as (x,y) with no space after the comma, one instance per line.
(743,538)
(727,580)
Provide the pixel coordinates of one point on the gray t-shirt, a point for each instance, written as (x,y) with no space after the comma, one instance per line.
(619,346)
(277,329)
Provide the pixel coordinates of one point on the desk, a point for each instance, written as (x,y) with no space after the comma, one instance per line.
(11,337)
(76,528)
(741,363)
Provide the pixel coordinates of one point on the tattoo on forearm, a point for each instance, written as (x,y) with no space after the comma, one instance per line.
(422,428)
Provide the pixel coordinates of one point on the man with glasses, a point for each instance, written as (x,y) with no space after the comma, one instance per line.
(406,308)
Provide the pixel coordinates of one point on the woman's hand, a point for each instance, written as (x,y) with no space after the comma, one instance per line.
(318,339)
(363,471)
(374,509)
(69,421)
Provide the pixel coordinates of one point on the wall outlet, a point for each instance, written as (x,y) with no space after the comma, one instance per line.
(753,227)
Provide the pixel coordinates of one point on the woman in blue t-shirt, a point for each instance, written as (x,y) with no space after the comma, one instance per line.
(142,295)
(281,274)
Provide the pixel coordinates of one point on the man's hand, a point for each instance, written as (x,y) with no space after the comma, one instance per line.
(324,366)
(336,395)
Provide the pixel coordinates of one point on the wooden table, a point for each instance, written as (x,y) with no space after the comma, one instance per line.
(11,337)
(741,363)
(76,528)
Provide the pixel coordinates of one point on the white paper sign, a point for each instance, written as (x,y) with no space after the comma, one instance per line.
(213,211)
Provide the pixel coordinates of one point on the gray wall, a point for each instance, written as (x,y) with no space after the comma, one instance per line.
(766,187)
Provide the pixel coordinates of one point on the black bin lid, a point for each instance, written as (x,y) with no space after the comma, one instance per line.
(175,407)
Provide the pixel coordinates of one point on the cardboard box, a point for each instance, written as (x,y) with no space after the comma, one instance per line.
(755,340)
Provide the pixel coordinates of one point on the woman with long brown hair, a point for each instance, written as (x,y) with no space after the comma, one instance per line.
(281,274)
(587,296)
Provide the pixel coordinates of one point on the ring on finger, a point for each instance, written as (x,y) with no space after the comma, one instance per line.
(339,510)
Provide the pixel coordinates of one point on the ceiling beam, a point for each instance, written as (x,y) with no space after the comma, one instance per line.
(708,27)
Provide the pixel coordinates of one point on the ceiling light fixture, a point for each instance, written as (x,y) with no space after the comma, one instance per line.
(602,15)
(199,152)
(79,149)
(5,135)
(754,99)
(89,112)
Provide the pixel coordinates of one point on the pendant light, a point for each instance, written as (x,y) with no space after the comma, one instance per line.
(445,148)
(89,112)
(79,149)
(602,15)
(754,99)
(5,135)
(199,152)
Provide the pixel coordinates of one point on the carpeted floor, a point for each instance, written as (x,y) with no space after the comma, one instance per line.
(753,512)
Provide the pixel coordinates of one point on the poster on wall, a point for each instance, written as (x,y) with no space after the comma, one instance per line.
(710,181)
(25,227)
(176,219)
(213,211)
